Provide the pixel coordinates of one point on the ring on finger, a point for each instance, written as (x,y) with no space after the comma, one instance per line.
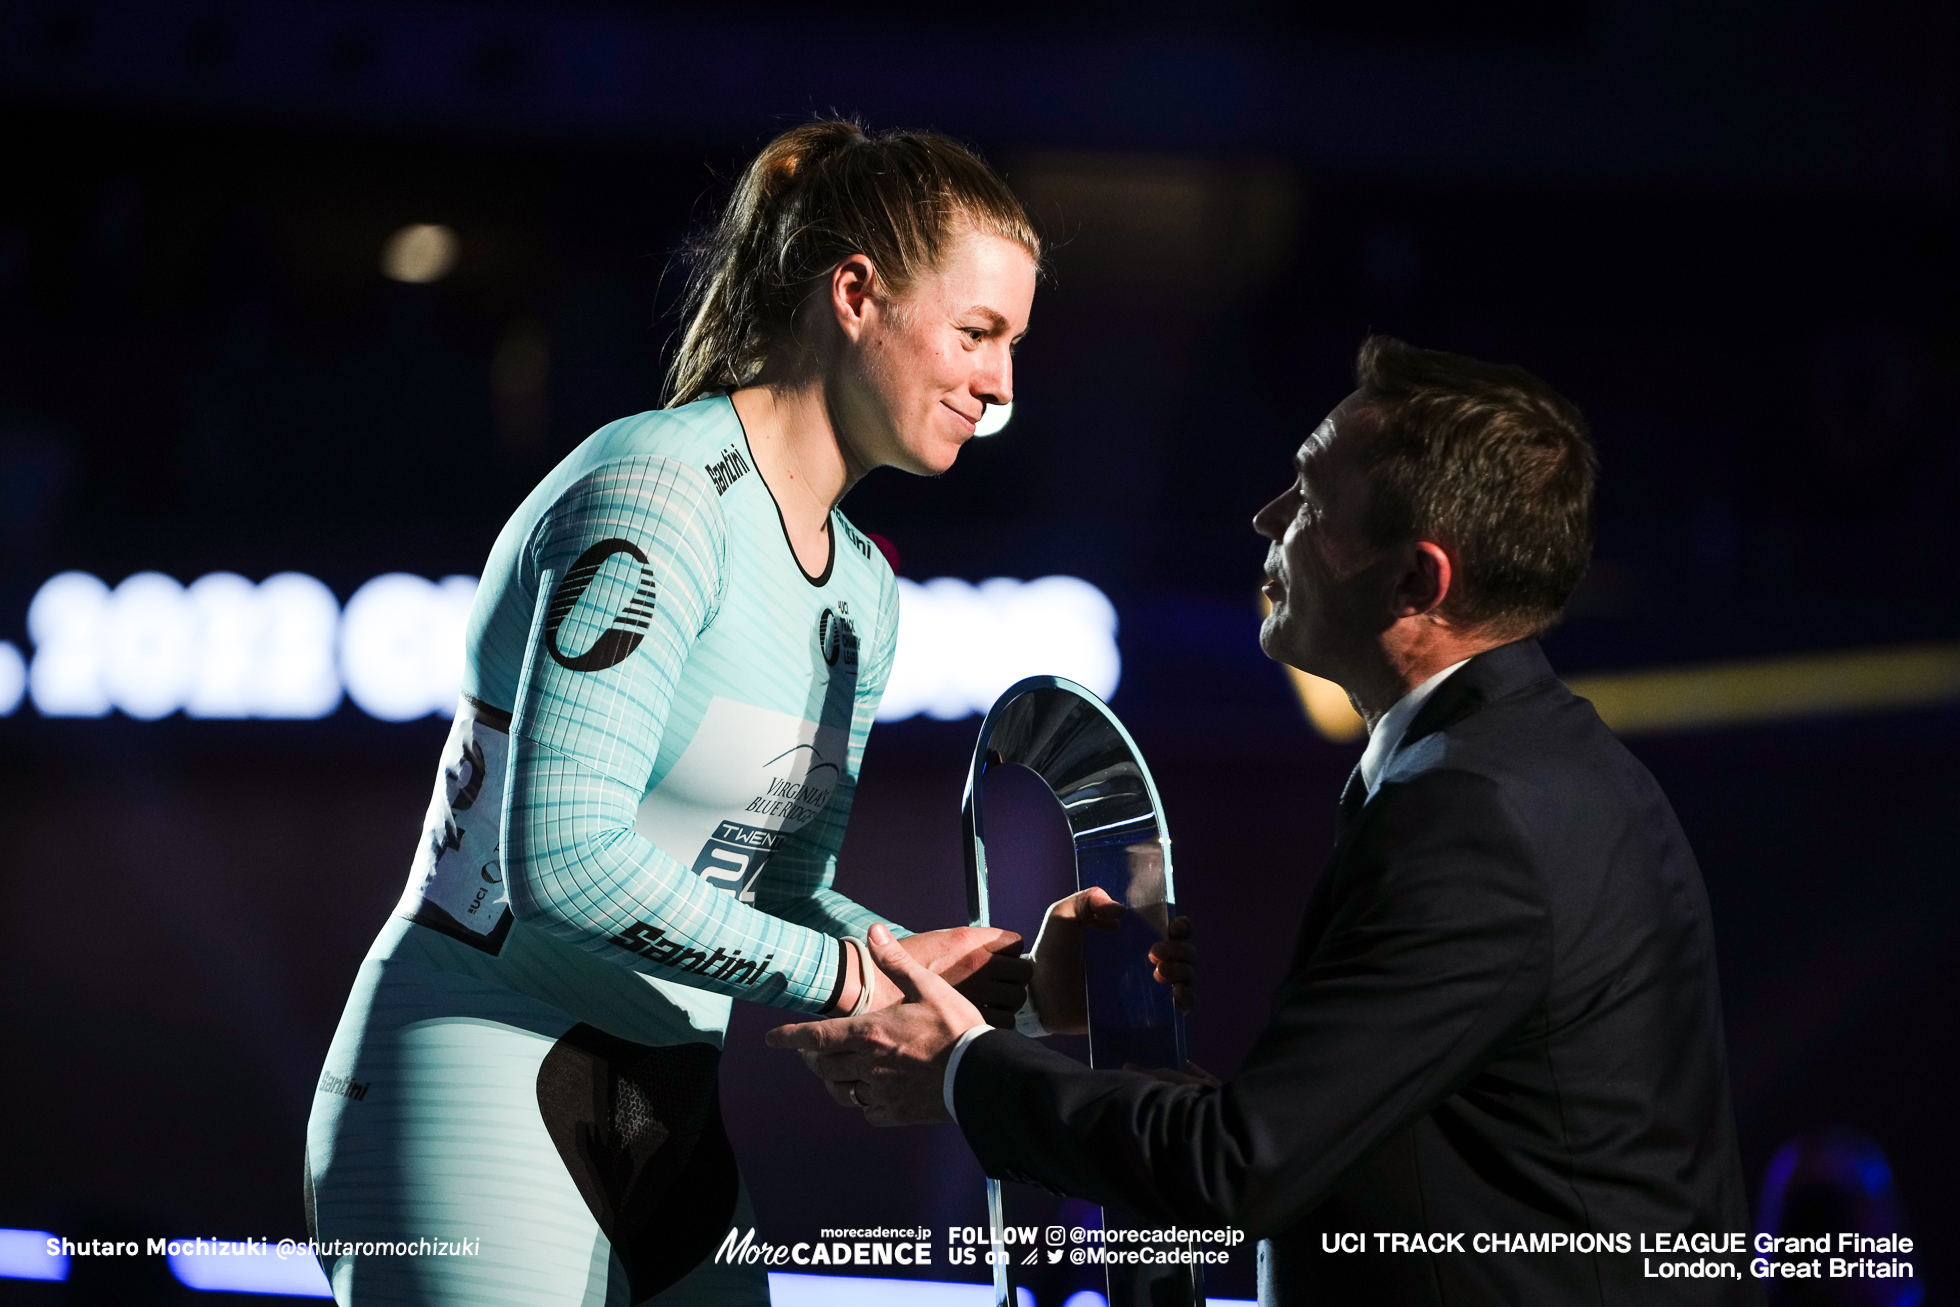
(854,1095)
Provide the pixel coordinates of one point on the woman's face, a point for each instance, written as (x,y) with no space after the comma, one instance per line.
(921,369)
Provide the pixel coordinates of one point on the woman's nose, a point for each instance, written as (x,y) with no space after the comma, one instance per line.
(996,385)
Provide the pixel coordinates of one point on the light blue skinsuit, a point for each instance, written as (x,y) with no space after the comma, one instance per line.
(637,819)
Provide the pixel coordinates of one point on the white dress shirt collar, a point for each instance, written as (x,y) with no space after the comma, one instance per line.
(1388,732)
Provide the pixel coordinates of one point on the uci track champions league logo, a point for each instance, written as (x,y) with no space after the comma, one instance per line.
(837,638)
(617,642)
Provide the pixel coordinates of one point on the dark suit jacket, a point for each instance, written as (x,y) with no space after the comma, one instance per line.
(1501,1016)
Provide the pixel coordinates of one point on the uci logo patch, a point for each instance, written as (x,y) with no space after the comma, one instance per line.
(620,639)
(836,638)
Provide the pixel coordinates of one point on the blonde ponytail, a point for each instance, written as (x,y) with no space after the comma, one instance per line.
(816,195)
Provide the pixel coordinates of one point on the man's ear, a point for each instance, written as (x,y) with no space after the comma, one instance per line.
(1425,581)
(853,294)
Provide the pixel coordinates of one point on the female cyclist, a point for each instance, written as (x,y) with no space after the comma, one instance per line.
(672,663)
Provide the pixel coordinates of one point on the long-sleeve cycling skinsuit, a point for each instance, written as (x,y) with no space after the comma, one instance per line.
(637,820)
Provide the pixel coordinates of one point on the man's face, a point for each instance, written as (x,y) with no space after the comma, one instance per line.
(1327,585)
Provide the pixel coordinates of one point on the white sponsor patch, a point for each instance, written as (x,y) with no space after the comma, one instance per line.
(458,869)
(749,777)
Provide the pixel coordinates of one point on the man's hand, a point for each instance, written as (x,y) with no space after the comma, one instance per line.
(1177,964)
(892,1063)
(1059,997)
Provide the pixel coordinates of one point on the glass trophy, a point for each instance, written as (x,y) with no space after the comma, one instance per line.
(1070,739)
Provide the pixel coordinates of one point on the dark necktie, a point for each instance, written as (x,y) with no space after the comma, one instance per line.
(1353,796)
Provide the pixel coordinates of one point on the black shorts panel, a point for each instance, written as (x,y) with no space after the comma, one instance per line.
(640,1131)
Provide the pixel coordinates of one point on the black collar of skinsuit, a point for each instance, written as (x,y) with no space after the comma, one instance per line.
(1492,675)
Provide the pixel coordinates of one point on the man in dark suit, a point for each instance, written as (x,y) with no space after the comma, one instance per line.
(1501,1015)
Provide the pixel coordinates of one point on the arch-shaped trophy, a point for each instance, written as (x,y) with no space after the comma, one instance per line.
(1069,738)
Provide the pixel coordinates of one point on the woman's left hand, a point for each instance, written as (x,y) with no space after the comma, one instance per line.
(1057,986)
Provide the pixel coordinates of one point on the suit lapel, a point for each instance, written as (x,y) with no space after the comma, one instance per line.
(1489,676)
(1313,923)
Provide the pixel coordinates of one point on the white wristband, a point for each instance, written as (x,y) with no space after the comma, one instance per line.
(867,976)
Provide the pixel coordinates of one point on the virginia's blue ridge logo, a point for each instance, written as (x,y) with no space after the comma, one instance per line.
(619,640)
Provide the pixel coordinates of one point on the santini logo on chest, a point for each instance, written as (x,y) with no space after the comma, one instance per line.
(727,470)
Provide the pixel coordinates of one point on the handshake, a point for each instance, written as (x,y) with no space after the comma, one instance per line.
(937,988)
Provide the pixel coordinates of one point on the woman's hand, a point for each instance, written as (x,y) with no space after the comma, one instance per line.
(1059,998)
(980,961)
(958,952)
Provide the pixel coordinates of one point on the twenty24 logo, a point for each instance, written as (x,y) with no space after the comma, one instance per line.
(734,856)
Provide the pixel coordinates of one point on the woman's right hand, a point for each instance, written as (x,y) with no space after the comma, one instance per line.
(958,954)
(984,964)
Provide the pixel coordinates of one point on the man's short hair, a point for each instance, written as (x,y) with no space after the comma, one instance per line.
(1492,464)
